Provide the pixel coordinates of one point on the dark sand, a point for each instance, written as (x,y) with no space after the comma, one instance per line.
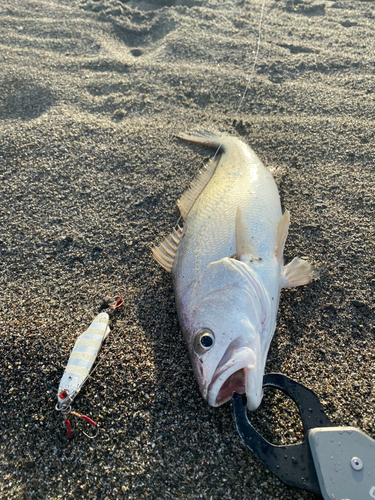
(92,93)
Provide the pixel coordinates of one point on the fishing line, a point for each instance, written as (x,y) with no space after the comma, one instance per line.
(250,77)
(103,356)
(249,81)
(252,72)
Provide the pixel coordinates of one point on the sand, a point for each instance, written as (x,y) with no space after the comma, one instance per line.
(92,95)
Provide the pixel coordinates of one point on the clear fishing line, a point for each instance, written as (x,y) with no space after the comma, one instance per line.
(248,84)
(252,72)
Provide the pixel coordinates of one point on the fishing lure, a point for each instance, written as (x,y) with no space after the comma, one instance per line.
(80,363)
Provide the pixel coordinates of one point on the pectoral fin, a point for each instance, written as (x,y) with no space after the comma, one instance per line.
(298,272)
(165,253)
(244,249)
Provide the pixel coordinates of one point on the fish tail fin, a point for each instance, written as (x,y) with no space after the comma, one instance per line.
(208,138)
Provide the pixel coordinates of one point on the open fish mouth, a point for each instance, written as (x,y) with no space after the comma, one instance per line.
(236,374)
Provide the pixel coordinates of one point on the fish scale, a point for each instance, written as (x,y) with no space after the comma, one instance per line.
(240,180)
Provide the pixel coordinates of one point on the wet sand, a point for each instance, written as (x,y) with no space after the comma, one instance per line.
(92,94)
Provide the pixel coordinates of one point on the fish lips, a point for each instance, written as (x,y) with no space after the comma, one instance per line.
(238,374)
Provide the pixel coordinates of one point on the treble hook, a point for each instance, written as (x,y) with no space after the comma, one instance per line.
(119,303)
(113,308)
(66,411)
(84,417)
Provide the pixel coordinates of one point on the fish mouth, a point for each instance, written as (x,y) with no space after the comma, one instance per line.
(236,374)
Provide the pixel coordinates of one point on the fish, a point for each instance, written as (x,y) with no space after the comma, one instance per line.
(227,268)
(82,359)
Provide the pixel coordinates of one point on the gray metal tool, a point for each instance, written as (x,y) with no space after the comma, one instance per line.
(335,462)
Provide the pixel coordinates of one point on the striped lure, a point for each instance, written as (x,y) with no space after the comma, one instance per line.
(82,359)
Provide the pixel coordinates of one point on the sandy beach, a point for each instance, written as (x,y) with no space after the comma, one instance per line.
(92,93)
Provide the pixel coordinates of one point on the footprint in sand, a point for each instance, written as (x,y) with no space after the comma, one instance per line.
(24,99)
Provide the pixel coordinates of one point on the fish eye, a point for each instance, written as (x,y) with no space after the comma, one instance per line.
(204,341)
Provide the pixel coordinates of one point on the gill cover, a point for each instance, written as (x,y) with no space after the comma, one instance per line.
(230,306)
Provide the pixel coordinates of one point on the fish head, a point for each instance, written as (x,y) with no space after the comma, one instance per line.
(225,321)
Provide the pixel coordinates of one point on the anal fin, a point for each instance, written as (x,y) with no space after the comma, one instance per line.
(297,273)
(165,253)
(191,195)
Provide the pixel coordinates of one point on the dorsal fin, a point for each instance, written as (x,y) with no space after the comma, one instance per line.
(190,196)
(165,253)
(282,233)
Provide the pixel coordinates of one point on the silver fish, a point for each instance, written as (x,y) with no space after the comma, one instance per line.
(227,269)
